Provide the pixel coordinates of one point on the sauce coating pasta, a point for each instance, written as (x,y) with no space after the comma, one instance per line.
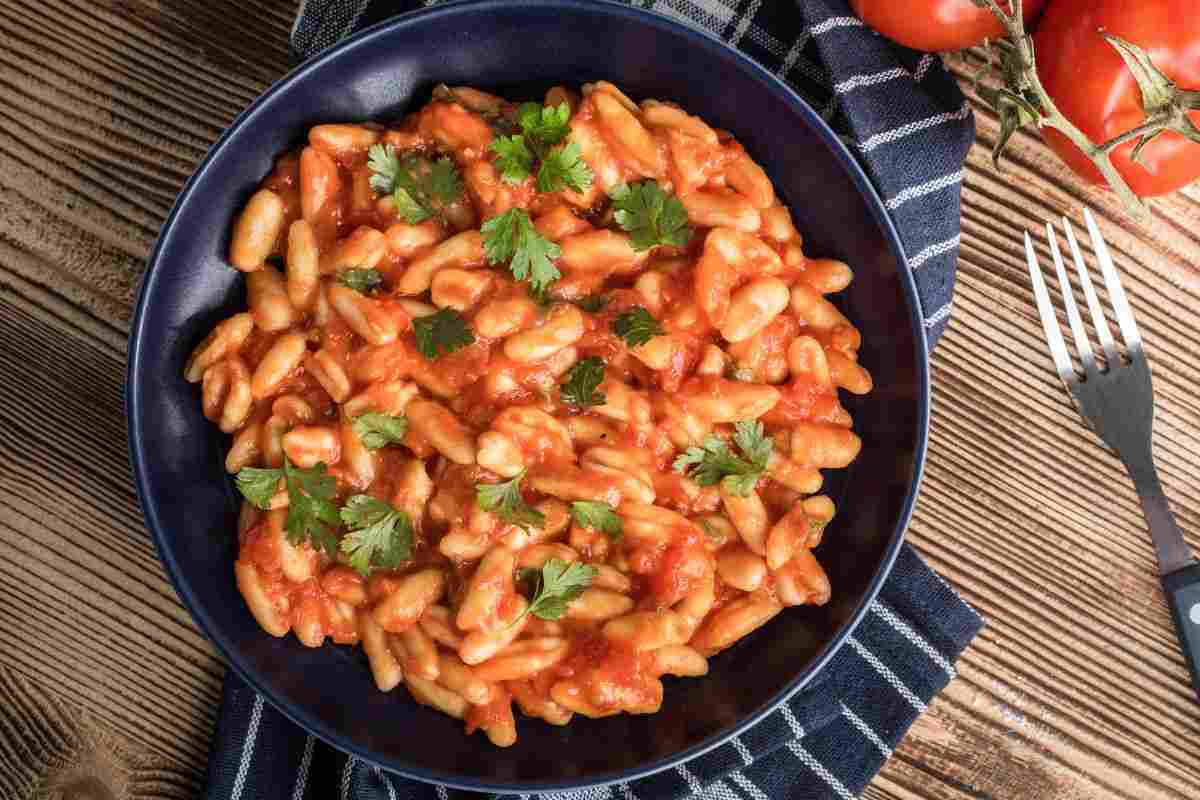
(647,424)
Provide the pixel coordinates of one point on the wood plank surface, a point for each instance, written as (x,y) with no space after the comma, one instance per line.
(1075,689)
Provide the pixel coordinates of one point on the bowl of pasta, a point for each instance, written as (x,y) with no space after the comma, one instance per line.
(525,396)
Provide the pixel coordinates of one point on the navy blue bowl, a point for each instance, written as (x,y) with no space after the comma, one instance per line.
(191,508)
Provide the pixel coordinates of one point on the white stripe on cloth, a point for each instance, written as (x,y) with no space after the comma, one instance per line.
(744,23)
(866,731)
(857,81)
(387,782)
(933,251)
(305,763)
(891,618)
(691,780)
(885,137)
(810,761)
(590,793)
(793,54)
(793,723)
(742,751)
(350,762)
(748,786)
(239,781)
(934,319)
(835,22)
(886,673)
(923,67)
(922,189)
(717,790)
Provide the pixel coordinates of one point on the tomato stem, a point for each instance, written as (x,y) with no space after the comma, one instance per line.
(1050,117)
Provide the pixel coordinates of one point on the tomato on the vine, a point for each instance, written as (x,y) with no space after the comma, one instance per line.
(1094,89)
(936,25)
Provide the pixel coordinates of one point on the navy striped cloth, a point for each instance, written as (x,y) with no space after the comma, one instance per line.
(910,125)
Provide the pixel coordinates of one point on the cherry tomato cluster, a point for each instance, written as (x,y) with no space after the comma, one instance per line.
(1083,73)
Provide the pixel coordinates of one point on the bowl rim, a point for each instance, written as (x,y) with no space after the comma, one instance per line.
(135,399)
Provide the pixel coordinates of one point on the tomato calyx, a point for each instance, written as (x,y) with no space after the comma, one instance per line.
(1021,99)
(1165,104)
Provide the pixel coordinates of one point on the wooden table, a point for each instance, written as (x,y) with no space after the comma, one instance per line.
(1075,689)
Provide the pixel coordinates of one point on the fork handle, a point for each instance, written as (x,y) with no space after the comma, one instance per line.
(1182,589)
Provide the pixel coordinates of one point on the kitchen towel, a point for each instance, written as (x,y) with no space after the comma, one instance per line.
(902,113)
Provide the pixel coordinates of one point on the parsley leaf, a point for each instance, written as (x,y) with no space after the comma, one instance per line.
(556,584)
(546,124)
(542,128)
(360,280)
(712,462)
(312,515)
(443,332)
(511,237)
(379,535)
(444,183)
(513,158)
(378,430)
(562,168)
(598,515)
(592,303)
(650,215)
(419,187)
(636,326)
(258,485)
(505,501)
(384,164)
(579,388)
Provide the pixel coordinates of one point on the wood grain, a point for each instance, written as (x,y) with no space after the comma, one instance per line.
(1076,688)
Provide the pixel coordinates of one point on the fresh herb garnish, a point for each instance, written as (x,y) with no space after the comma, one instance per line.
(513,158)
(713,462)
(650,215)
(600,516)
(546,125)
(258,486)
(505,501)
(443,332)
(555,585)
(542,128)
(377,534)
(511,237)
(377,430)
(592,303)
(312,515)
(564,168)
(579,386)
(360,280)
(420,188)
(636,326)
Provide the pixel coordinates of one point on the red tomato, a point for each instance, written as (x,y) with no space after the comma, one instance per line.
(1092,87)
(935,24)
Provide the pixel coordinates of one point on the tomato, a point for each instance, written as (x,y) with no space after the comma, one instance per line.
(1093,88)
(936,24)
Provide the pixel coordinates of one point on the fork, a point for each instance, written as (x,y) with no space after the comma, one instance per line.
(1118,401)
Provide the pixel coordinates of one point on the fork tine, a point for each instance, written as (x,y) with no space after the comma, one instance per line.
(1093,301)
(1082,345)
(1058,348)
(1112,280)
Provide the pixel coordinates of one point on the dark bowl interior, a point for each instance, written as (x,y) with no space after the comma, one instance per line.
(191,507)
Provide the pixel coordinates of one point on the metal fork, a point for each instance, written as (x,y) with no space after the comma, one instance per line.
(1118,402)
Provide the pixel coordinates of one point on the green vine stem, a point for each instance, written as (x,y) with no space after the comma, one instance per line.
(1023,99)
